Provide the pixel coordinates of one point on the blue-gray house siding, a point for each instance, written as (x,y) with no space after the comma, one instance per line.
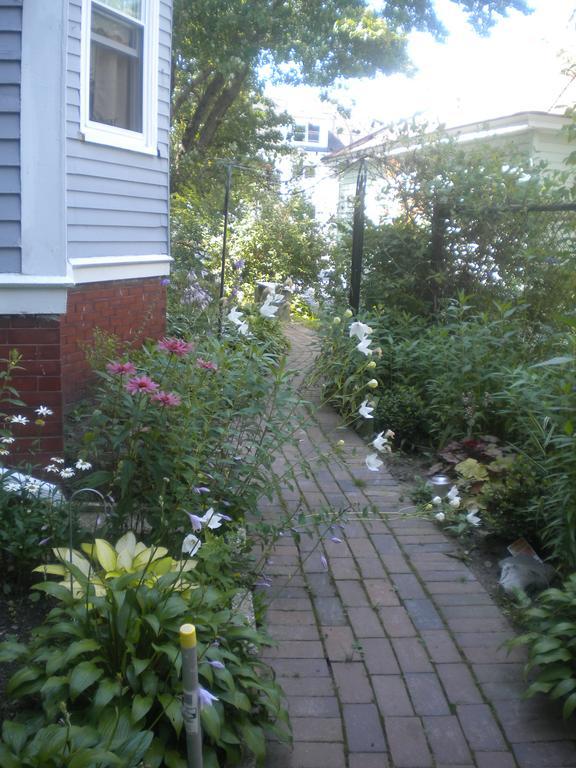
(10,53)
(117,200)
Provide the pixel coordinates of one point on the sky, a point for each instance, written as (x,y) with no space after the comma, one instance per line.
(467,78)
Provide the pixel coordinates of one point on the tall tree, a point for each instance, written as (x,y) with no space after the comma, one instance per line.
(220,46)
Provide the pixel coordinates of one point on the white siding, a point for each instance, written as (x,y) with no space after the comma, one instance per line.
(117,200)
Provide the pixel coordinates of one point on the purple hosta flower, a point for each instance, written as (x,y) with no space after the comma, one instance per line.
(216,664)
(43,542)
(206,698)
(165,281)
(335,539)
(263,584)
(324,562)
(19,419)
(195,521)
(195,294)
(201,489)
(240,264)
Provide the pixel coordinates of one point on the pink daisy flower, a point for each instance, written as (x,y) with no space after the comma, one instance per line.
(141,384)
(167,398)
(207,364)
(175,346)
(121,368)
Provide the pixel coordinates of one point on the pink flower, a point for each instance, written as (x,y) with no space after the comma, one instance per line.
(175,346)
(207,364)
(167,398)
(121,368)
(141,384)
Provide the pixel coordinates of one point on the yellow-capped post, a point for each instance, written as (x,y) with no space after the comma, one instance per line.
(190,703)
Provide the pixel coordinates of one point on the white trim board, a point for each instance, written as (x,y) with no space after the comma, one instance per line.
(95,270)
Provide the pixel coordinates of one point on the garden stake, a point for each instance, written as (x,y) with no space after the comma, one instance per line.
(190,705)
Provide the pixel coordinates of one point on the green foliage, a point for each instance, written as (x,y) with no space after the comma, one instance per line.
(403,411)
(28,523)
(550,638)
(111,646)
(458,223)
(236,408)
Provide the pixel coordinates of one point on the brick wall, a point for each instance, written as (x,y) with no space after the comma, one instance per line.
(39,382)
(54,369)
(132,310)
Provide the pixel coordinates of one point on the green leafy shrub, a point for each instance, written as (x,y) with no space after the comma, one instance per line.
(111,644)
(551,642)
(404,411)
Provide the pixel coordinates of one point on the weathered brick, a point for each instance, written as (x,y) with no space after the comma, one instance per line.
(424,614)
(480,728)
(411,654)
(379,657)
(459,684)
(392,696)
(546,755)
(446,740)
(440,646)
(408,586)
(352,593)
(316,729)
(330,611)
(352,683)
(365,622)
(340,644)
(363,728)
(318,755)
(296,649)
(313,706)
(381,593)
(427,694)
(396,622)
(407,742)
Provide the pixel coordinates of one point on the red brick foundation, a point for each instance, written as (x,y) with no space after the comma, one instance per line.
(54,368)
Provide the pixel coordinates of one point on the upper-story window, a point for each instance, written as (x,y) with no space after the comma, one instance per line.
(306,133)
(120,73)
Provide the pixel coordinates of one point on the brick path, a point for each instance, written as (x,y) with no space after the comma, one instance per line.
(392,658)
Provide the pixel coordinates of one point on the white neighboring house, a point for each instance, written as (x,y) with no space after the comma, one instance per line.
(537,135)
(313,135)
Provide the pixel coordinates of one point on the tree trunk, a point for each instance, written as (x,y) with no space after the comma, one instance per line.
(193,126)
(221,106)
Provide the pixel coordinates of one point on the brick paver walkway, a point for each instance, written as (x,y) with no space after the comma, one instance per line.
(392,658)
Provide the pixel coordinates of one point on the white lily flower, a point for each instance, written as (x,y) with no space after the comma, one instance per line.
(4,452)
(380,443)
(365,410)
(268,309)
(364,346)
(56,460)
(453,492)
(211,519)
(455,502)
(67,473)
(81,464)
(235,316)
(191,545)
(437,501)
(440,516)
(373,462)
(7,440)
(44,411)
(389,434)
(360,330)
(473,518)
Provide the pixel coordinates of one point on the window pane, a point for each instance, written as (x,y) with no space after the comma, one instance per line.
(313,133)
(299,133)
(116,72)
(129,7)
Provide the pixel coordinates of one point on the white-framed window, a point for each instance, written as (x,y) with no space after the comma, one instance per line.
(119,84)
(306,133)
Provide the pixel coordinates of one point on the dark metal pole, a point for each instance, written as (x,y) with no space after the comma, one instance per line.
(358,237)
(440,214)
(224,241)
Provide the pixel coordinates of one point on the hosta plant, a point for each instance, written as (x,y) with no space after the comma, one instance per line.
(111,643)
(551,641)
